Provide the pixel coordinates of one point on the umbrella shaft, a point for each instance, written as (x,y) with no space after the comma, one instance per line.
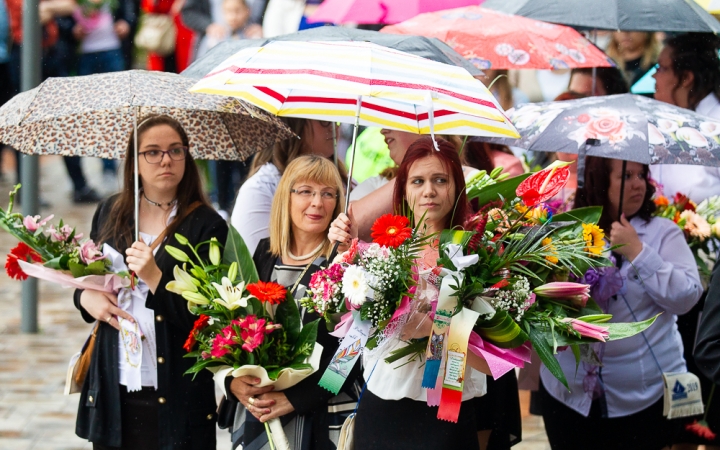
(622,190)
(352,160)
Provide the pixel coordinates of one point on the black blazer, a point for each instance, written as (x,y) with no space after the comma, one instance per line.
(187,408)
(707,349)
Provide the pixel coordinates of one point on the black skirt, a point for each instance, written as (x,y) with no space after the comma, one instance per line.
(499,411)
(568,430)
(139,412)
(410,425)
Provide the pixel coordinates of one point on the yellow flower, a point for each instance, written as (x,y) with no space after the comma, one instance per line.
(594,238)
(547,242)
(522,209)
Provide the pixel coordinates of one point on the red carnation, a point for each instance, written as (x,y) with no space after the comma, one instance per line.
(21,252)
(391,231)
(543,185)
(271,292)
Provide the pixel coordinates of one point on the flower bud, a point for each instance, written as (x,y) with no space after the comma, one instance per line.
(233,271)
(214,252)
(195,298)
(182,240)
(177,253)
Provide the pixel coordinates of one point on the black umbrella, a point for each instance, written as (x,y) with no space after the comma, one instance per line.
(628,15)
(429,48)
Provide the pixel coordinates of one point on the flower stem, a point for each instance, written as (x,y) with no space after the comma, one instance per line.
(710,397)
(269,435)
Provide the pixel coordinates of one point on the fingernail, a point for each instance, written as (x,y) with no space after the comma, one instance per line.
(257,380)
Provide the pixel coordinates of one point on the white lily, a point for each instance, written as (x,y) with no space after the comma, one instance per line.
(183,282)
(231,296)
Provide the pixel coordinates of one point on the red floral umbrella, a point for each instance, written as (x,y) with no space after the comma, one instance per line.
(495,40)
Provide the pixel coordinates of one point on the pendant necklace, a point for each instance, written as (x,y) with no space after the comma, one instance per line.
(158,204)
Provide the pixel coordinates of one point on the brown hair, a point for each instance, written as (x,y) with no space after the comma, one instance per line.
(283,152)
(595,191)
(119,226)
(696,53)
(306,168)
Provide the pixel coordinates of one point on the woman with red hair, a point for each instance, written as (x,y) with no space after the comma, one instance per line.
(393,412)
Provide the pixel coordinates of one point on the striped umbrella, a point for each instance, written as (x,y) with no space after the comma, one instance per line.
(361,83)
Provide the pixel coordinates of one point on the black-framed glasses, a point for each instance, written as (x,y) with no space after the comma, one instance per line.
(156,156)
(308,194)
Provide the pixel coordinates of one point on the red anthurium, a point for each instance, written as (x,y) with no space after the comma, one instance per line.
(391,231)
(543,185)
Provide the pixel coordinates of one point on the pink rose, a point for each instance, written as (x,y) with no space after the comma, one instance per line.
(89,253)
(606,127)
(33,223)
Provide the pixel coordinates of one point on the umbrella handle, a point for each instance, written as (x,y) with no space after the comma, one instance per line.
(333,253)
(622,190)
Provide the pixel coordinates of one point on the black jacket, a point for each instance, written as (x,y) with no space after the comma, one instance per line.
(707,349)
(187,409)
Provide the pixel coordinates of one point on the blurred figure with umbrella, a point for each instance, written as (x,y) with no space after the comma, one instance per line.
(635,51)
(136,396)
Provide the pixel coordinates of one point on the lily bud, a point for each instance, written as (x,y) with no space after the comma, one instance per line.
(588,329)
(214,252)
(182,240)
(575,293)
(233,271)
(195,298)
(177,253)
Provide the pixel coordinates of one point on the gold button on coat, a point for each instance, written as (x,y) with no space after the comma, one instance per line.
(161,400)
(90,398)
(209,417)
(159,318)
(161,360)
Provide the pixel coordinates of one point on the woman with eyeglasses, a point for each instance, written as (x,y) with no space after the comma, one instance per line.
(308,196)
(618,403)
(135,395)
(251,213)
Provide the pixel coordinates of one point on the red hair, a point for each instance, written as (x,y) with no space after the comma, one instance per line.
(449,158)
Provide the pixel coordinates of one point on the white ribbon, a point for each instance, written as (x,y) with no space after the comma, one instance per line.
(459,260)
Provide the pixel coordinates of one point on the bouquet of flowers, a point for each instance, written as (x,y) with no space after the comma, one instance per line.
(56,253)
(245,326)
(699,225)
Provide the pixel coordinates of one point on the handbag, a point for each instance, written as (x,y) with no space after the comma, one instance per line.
(157,34)
(80,362)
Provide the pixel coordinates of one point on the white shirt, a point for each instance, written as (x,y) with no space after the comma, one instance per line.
(663,278)
(697,182)
(251,213)
(369,185)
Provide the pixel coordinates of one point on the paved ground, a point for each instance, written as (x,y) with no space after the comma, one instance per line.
(34,413)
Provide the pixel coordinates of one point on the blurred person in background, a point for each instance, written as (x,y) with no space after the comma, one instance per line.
(608,81)
(635,52)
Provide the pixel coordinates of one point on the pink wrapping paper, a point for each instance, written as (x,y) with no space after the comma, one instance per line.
(342,328)
(499,360)
(105,283)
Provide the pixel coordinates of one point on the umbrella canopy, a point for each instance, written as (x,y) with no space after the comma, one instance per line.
(625,126)
(93,116)
(626,15)
(495,40)
(339,81)
(429,48)
(380,11)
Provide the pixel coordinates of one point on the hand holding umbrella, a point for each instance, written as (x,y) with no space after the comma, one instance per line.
(623,234)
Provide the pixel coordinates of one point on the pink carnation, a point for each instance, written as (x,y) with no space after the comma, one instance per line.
(89,252)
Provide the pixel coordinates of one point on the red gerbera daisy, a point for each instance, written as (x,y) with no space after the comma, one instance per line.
(21,252)
(268,292)
(701,429)
(543,185)
(190,342)
(391,231)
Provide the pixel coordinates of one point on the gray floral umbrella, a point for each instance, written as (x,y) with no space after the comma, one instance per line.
(625,126)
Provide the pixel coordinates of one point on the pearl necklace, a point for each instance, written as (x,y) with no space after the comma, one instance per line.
(158,204)
(304,257)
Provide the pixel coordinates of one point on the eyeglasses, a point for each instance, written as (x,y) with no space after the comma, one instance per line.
(308,194)
(156,156)
(325,123)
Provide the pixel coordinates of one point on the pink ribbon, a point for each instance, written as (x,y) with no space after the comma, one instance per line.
(499,360)
(342,328)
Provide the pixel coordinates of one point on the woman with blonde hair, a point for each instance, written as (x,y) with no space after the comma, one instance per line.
(635,52)
(251,213)
(308,196)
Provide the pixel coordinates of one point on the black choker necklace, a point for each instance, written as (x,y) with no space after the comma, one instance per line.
(159,205)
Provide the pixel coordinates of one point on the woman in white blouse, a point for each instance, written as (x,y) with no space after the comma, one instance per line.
(620,404)
(393,412)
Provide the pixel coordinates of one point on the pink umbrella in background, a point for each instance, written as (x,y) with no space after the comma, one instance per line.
(380,11)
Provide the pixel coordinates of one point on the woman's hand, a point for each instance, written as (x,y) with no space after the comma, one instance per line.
(343,230)
(243,388)
(280,407)
(140,259)
(103,307)
(624,234)
(419,325)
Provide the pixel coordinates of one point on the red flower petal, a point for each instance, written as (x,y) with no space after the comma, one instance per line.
(268,292)
(542,185)
(391,230)
(701,429)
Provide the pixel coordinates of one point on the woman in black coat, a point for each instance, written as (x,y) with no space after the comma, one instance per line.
(143,401)
(308,196)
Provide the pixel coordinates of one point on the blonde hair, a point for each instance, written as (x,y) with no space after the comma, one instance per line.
(307,168)
(650,54)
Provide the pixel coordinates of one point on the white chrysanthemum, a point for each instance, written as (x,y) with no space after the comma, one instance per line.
(355,285)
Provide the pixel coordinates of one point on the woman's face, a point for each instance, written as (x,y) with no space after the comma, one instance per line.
(398,142)
(581,83)
(631,41)
(635,187)
(320,138)
(167,174)
(311,208)
(668,88)
(430,191)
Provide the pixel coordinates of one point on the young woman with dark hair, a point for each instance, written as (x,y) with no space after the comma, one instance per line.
(393,412)
(619,404)
(137,397)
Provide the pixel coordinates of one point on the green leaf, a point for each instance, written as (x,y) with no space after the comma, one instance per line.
(504,189)
(96,268)
(627,329)
(459,237)
(595,318)
(77,269)
(542,347)
(288,315)
(576,353)
(588,214)
(308,335)
(237,251)
(54,263)
(414,347)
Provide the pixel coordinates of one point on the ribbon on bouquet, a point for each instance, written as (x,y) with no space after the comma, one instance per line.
(499,360)
(347,354)
(443,314)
